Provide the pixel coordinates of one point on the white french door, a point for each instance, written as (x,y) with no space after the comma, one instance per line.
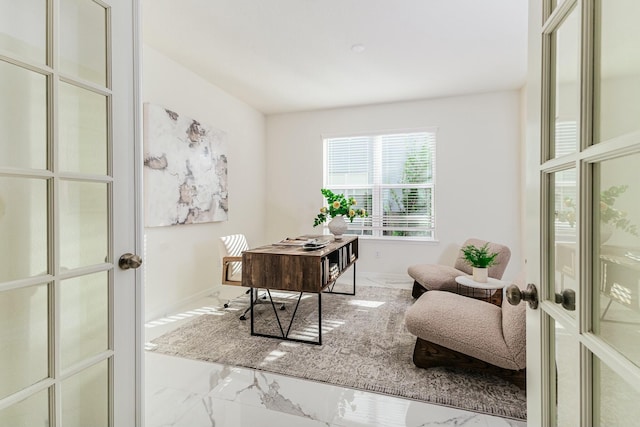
(69,316)
(583,194)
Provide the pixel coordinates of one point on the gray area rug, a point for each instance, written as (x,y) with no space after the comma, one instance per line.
(365,346)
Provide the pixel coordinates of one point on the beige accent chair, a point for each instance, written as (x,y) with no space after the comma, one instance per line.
(456,331)
(429,277)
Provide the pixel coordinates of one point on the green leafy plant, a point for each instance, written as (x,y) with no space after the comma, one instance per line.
(479,257)
(608,214)
(338,204)
(611,215)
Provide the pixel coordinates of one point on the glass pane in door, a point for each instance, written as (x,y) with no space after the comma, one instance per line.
(84,317)
(24,334)
(566,120)
(30,412)
(615,400)
(83,47)
(23,117)
(85,398)
(23,27)
(565,234)
(567,377)
(83,224)
(616,211)
(83,130)
(617,86)
(23,227)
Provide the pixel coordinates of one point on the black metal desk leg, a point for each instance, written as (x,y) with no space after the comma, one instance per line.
(285,336)
(353,292)
(354,278)
(251,305)
(319,318)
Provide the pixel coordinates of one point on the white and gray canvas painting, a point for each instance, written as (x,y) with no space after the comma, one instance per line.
(185,169)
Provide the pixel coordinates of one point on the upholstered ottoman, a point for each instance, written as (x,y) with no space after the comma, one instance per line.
(458,331)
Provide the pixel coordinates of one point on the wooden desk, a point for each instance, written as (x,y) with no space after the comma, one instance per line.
(292,268)
(619,272)
(620,276)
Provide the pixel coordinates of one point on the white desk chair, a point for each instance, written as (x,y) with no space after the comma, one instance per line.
(231,248)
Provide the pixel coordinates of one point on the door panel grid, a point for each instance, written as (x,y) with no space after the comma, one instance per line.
(56,215)
(591,236)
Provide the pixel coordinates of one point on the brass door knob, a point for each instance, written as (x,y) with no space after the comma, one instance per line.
(128,261)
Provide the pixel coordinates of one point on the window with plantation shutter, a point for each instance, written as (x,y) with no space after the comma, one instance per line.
(391,176)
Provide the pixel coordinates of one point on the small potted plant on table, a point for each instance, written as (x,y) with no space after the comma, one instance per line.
(480,259)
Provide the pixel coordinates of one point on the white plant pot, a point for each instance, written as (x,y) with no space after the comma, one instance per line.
(480,275)
(606,230)
(338,226)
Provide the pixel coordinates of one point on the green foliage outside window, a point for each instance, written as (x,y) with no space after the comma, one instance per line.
(412,201)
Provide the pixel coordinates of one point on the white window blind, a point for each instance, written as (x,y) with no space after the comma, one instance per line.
(391,176)
(566,142)
(566,137)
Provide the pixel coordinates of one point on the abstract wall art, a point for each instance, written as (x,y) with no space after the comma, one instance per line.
(185,169)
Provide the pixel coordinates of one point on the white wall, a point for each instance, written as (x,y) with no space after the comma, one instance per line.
(477,184)
(182,262)
(274,192)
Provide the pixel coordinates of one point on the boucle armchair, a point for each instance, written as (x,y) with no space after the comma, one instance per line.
(456,331)
(429,277)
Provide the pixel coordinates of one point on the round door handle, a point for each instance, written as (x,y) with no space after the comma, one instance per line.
(568,299)
(128,261)
(515,295)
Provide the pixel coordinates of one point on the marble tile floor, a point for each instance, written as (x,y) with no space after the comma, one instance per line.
(189,393)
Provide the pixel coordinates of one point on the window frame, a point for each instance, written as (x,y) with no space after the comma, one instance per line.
(377,229)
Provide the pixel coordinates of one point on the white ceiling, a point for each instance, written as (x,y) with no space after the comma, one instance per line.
(295,55)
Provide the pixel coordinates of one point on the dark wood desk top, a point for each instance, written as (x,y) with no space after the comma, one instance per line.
(292,268)
(277,249)
(624,256)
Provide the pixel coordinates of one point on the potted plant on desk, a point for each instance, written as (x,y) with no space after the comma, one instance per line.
(610,216)
(338,207)
(480,259)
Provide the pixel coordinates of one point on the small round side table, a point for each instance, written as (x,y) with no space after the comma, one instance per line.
(484,291)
